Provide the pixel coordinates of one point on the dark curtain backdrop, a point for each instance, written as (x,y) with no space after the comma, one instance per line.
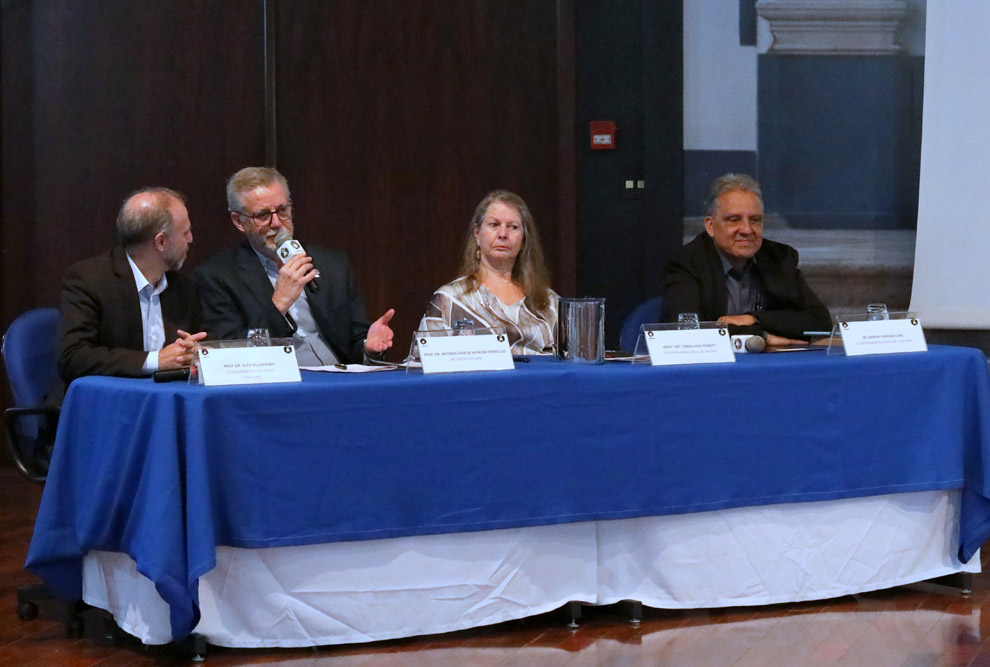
(393,119)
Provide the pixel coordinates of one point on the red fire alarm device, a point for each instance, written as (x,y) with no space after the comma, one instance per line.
(603,134)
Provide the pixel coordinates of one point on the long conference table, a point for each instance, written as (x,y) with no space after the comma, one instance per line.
(358,507)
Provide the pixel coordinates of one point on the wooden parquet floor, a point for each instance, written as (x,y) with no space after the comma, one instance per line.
(915,626)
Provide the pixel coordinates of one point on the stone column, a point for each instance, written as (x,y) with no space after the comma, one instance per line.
(839,103)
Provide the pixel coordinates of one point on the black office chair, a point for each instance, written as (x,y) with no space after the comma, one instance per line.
(29,426)
(647,312)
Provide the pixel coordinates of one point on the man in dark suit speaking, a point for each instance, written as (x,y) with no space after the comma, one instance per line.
(311,296)
(120,309)
(730,274)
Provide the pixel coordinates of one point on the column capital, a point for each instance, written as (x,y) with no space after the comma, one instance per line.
(834,27)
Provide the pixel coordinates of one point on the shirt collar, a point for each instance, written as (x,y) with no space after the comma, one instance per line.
(142,283)
(727,265)
(269,265)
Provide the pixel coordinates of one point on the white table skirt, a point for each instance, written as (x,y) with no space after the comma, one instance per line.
(351,592)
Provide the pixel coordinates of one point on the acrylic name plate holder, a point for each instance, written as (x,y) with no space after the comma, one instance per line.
(671,344)
(858,334)
(230,362)
(450,351)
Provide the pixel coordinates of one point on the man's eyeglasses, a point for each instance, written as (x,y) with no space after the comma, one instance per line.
(284,213)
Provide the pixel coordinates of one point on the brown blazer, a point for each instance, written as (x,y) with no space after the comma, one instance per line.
(101,330)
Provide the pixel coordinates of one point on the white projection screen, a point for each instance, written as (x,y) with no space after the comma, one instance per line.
(952,259)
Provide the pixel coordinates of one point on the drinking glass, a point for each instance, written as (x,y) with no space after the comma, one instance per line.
(258,338)
(876,311)
(463,327)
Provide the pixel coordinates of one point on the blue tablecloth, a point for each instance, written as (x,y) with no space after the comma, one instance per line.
(166,472)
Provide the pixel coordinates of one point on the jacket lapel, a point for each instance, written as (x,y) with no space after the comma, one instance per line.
(319,307)
(775,288)
(718,280)
(253,274)
(131,327)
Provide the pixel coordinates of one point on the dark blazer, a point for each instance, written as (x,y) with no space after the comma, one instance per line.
(694,282)
(237,296)
(101,330)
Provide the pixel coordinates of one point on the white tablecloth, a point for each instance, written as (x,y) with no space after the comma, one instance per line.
(382,589)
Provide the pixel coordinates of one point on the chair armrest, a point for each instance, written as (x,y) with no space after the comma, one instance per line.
(31,458)
(16,413)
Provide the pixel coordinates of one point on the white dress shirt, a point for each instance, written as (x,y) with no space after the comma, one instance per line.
(311,349)
(152,323)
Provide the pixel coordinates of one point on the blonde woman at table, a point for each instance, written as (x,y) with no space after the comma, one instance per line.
(504,280)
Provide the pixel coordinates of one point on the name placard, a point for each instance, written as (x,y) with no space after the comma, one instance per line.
(452,354)
(248,365)
(882,337)
(691,346)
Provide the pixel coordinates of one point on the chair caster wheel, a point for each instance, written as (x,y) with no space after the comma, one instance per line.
(74,626)
(27,611)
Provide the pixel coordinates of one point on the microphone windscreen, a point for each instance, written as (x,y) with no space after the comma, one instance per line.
(755,344)
(285,247)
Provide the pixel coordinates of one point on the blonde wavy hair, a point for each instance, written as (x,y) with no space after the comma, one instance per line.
(530,270)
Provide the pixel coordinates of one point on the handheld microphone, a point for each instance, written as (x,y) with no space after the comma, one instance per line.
(755,344)
(287,247)
(748,344)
